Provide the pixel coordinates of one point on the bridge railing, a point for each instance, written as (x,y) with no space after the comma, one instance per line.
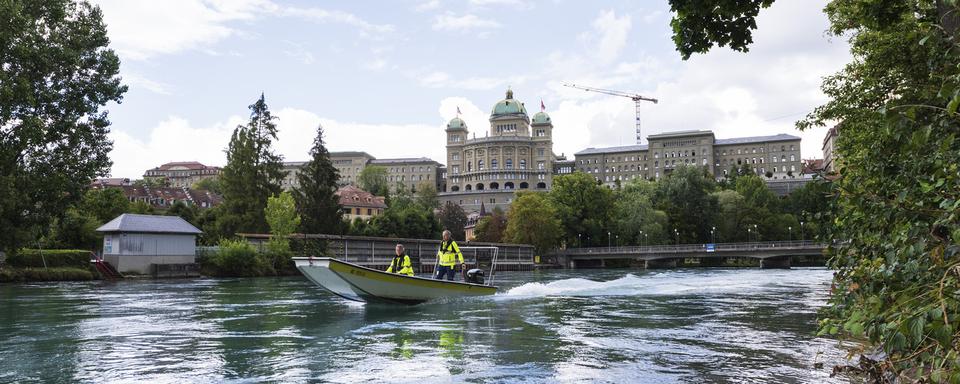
(688,248)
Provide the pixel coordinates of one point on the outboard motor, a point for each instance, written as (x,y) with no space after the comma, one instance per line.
(475,276)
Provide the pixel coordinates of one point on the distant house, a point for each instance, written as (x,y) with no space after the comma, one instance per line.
(165,197)
(135,243)
(359,203)
(182,173)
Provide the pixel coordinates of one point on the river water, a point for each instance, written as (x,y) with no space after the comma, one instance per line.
(619,326)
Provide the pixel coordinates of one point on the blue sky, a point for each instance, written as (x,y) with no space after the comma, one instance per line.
(384,77)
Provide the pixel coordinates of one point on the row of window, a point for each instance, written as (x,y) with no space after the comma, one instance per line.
(496,186)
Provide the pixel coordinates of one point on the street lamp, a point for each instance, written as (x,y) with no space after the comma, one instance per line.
(749,231)
(579,241)
(713,239)
(618,240)
(790,233)
(755,230)
(801,231)
(677,234)
(645,238)
(641,239)
(608,239)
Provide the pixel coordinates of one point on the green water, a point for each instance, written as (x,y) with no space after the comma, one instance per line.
(622,326)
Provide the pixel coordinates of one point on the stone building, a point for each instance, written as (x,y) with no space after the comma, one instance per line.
(777,154)
(182,174)
(829,150)
(411,173)
(349,164)
(515,154)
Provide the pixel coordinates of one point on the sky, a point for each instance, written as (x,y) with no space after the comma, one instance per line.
(385,77)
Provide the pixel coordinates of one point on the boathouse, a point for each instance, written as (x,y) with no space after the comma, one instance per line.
(149,244)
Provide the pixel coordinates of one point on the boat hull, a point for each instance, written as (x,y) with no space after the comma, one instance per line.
(358,283)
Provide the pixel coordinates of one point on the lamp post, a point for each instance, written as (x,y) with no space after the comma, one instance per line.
(757,231)
(801,231)
(713,238)
(618,240)
(749,232)
(677,234)
(641,238)
(790,233)
(645,239)
(579,241)
(608,239)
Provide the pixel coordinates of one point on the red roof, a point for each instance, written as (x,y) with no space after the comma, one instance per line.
(351,196)
(192,165)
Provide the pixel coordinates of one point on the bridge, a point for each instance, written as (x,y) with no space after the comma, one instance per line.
(772,254)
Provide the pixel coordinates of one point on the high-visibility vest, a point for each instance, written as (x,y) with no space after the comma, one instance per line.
(449,253)
(401,264)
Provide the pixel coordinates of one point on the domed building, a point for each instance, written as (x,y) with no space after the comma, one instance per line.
(515,154)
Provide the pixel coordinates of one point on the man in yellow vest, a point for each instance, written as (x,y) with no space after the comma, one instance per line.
(401,263)
(449,256)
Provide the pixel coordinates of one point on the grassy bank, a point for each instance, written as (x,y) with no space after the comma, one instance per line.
(47,265)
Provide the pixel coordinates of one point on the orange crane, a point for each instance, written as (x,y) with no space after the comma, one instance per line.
(633,96)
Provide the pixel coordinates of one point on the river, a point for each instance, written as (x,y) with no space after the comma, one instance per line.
(618,326)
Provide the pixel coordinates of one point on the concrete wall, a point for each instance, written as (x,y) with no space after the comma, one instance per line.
(140,264)
(134,252)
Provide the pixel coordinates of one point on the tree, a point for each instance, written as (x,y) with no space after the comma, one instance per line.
(57,74)
(316,194)
(104,204)
(490,228)
(185,211)
(895,232)
(281,215)
(685,195)
(453,218)
(211,184)
(635,220)
(582,206)
(373,179)
(731,223)
(427,196)
(699,25)
(533,220)
(252,174)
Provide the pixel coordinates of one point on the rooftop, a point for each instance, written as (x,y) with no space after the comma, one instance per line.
(129,222)
(182,165)
(407,160)
(351,154)
(351,196)
(679,134)
(755,139)
(625,148)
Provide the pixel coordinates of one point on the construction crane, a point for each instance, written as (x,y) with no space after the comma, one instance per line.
(635,97)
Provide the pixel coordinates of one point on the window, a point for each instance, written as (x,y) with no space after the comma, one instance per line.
(509,164)
(540,152)
(469,166)
(494,164)
(540,165)
(792,158)
(456,156)
(479,165)
(369,211)
(523,164)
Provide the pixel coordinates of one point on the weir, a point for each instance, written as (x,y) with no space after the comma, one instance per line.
(772,254)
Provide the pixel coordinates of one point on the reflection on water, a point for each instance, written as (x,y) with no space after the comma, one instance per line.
(713,325)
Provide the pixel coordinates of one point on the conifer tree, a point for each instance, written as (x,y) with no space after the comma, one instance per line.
(315,194)
(253,173)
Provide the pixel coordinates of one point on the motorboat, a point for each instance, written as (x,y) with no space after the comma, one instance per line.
(358,283)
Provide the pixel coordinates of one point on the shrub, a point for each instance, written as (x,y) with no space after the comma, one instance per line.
(240,258)
(27,258)
(46,274)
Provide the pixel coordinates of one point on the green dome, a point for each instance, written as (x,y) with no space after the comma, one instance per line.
(541,118)
(508,106)
(456,123)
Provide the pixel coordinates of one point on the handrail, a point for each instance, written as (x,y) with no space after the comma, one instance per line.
(683,248)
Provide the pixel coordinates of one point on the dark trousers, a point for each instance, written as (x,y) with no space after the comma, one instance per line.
(444,270)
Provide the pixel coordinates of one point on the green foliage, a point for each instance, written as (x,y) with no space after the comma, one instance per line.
(403,218)
(635,220)
(211,184)
(18,275)
(897,212)
(491,228)
(583,207)
(685,196)
(252,174)
(453,218)
(315,195)
(186,212)
(57,75)
(104,204)
(532,219)
(373,179)
(281,214)
(427,196)
(27,258)
(699,25)
(141,207)
(240,258)
(75,229)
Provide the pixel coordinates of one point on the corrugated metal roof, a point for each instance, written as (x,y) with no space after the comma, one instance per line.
(129,222)
(755,139)
(625,148)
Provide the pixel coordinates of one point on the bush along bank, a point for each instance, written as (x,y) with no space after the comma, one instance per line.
(239,258)
(47,265)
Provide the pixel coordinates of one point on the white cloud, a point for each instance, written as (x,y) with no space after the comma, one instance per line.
(139,30)
(608,37)
(324,15)
(440,79)
(135,81)
(449,21)
(428,5)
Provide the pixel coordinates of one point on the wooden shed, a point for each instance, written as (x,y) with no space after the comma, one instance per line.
(140,243)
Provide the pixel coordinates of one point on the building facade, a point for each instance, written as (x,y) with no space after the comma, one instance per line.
(774,157)
(829,150)
(182,174)
(358,203)
(515,154)
(411,173)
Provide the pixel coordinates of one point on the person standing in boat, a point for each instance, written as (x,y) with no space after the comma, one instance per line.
(401,263)
(448,257)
